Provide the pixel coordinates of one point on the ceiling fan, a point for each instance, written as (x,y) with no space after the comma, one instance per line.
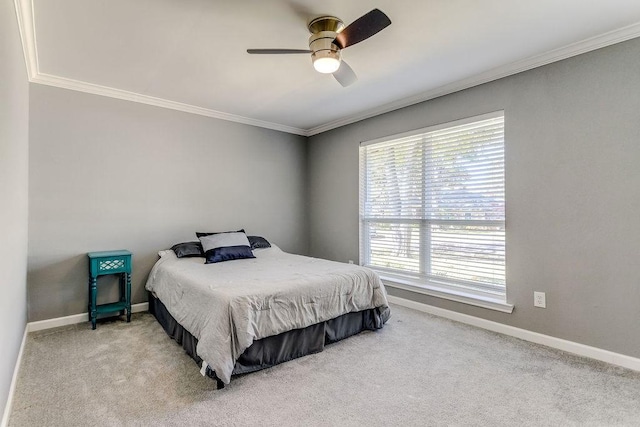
(329,36)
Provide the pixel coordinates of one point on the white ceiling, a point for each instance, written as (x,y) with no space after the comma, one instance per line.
(191,54)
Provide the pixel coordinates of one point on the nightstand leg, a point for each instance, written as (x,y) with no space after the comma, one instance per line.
(89,298)
(128,297)
(93,289)
(123,295)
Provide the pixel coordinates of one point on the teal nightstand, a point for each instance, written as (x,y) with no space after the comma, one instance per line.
(109,262)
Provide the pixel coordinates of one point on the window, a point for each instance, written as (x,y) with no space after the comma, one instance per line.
(432,208)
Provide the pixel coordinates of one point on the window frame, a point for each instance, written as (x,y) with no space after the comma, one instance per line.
(423,282)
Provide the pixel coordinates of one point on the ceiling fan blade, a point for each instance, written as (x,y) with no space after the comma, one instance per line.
(345,75)
(362,28)
(276,51)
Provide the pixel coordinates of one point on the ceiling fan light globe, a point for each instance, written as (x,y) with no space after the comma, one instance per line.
(326,65)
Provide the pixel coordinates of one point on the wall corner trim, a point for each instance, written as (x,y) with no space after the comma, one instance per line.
(12,387)
(602,355)
(26,26)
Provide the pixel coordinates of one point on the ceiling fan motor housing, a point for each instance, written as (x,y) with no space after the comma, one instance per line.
(325,54)
(325,23)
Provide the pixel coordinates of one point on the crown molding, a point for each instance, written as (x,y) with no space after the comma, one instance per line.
(574,49)
(26,24)
(61,82)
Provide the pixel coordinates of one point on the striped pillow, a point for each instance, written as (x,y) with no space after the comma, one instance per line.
(226,247)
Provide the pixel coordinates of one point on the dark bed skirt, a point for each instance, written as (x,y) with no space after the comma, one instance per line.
(276,349)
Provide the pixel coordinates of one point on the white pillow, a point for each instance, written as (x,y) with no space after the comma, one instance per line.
(220,240)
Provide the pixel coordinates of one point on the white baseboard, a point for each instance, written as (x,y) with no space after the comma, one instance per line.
(74,319)
(535,337)
(12,388)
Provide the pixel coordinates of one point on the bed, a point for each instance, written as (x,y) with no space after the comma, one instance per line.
(243,315)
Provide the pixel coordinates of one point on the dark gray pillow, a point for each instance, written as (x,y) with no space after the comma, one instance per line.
(258,242)
(188,249)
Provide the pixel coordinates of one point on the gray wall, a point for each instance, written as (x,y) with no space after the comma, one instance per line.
(14,149)
(573,193)
(110,174)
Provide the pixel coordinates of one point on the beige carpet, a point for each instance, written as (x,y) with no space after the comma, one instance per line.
(419,370)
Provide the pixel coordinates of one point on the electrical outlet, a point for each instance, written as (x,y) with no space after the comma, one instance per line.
(539,299)
(350,261)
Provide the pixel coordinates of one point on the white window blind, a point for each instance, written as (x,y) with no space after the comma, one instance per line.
(432,207)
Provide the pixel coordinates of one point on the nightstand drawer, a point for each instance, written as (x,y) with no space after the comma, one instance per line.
(111,265)
(109,262)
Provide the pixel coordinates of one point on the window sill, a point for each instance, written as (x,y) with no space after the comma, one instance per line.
(458,296)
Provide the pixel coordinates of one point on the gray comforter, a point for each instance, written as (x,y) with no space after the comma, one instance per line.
(228,305)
